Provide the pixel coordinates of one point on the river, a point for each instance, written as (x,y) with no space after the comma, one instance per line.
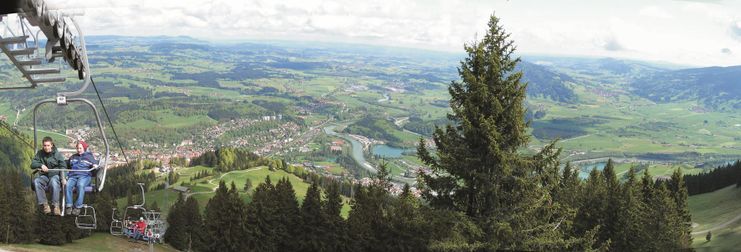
(357,148)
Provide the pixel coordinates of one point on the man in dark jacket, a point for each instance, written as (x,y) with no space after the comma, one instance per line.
(48,158)
(79,177)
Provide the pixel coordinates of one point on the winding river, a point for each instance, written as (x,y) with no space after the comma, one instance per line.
(357,148)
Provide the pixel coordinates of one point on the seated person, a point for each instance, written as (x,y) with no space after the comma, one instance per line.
(140,227)
(79,177)
(48,158)
(131,229)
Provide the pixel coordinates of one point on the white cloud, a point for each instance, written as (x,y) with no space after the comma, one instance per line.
(735,29)
(673,31)
(655,12)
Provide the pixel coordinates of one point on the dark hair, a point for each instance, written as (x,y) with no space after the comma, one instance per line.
(47,139)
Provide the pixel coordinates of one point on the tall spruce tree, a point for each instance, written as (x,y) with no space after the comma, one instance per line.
(631,216)
(336,238)
(16,222)
(103,204)
(225,229)
(262,219)
(5,208)
(191,215)
(477,168)
(313,222)
(176,231)
(613,202)
(288,212)
(679,193)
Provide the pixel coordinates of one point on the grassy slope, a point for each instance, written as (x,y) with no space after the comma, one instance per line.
(165,198)
(711,209)
(96,242)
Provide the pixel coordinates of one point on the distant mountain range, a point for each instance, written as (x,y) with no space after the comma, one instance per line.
(716,87)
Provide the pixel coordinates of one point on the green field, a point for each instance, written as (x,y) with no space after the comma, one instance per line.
(712,209)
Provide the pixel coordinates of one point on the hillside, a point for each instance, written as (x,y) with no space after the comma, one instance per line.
(714,87)
(543,82)
(203,189)
(720,213)
(97,242)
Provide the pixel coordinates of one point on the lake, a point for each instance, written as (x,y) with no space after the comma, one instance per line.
(584,170)
(388,151)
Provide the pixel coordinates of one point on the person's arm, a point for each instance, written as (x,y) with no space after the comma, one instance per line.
(36,162)
(61,161)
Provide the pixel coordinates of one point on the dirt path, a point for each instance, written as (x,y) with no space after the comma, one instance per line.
(719,226)
(211,181)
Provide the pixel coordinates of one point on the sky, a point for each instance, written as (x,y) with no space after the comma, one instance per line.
(688,32)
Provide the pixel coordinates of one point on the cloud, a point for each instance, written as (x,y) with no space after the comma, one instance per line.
(655,12)
(609,43)
(726,51)
(735,29)
(701,1)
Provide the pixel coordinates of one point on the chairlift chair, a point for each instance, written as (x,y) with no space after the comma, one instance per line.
(21,45)
(116,227)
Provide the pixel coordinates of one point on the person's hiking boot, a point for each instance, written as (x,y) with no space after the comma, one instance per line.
(76,211)
(45,208)
(57,210)
(69,210)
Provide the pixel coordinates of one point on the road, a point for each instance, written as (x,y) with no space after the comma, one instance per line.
(719,226)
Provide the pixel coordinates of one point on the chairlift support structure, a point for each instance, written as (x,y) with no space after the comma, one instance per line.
(156,227)
(21,33)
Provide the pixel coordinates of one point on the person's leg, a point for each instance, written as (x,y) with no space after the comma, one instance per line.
(41,182)
(82,182)
(71,182)
(56,188)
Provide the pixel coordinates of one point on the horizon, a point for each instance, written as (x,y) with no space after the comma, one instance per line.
(461,53)
(692,33)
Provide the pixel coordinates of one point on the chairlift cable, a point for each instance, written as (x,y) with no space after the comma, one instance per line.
(16,135)
(109,120)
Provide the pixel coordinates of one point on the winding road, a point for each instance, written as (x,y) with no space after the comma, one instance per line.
(719,226)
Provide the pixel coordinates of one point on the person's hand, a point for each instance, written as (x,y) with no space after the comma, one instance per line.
(44,168)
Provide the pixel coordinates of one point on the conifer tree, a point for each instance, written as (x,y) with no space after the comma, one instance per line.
(613,202)
(312,221)
(631,216)
(18,214)
(247,185)
(103,204)
(191,215)
(336,238)
(408,226)
(225,229)
(477,168)
(593,206)
(679,193)
(176,232)
(49,229)
(287,212)
(5,208)
(262,218)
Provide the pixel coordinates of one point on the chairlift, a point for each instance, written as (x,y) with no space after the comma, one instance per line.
(21,45)
(156,227)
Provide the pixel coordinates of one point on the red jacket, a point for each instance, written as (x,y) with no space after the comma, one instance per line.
(141,225)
